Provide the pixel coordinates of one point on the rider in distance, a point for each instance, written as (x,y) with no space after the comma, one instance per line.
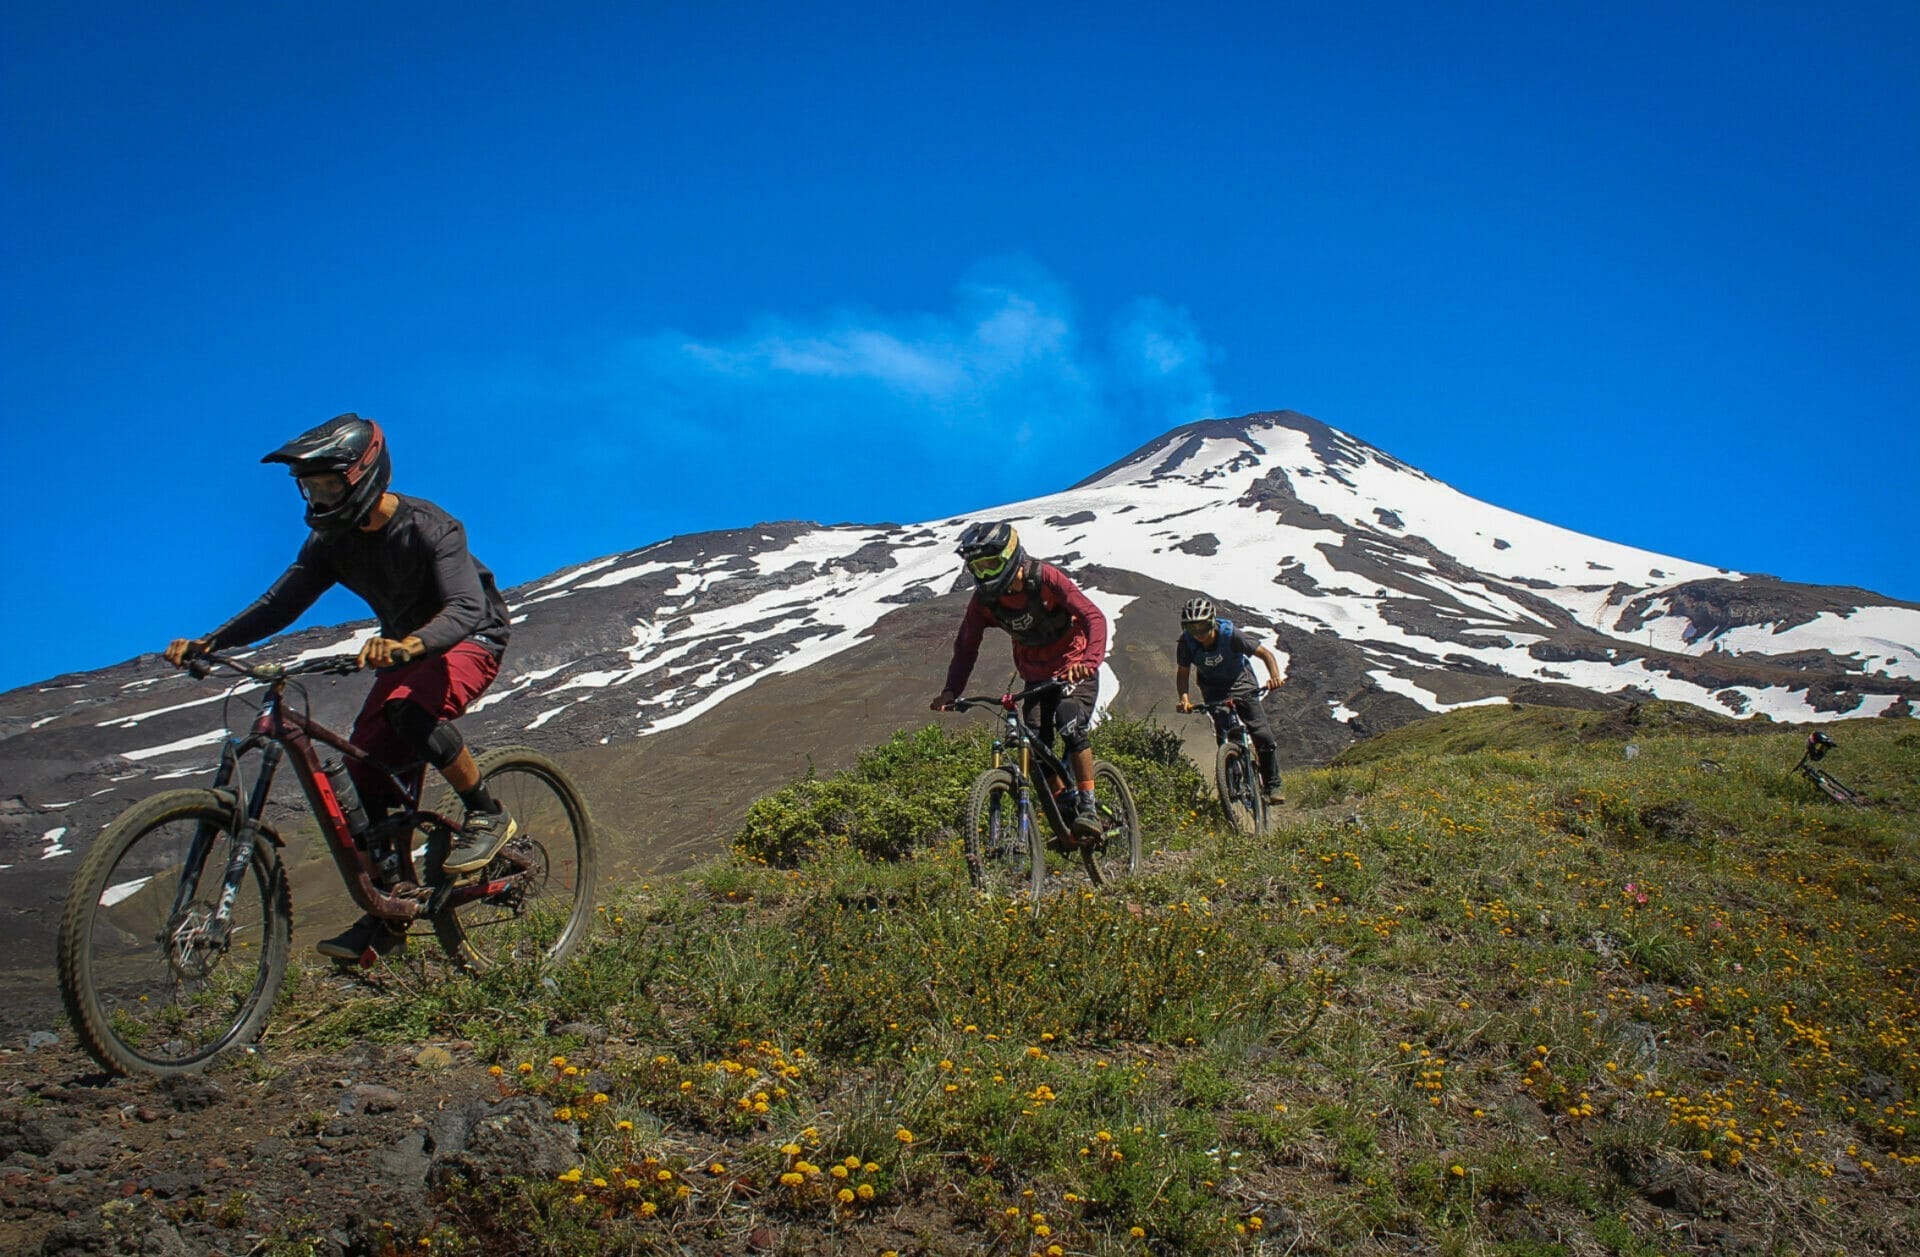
(1223,653)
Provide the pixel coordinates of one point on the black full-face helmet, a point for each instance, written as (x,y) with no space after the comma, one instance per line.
(347,446)
(993,554)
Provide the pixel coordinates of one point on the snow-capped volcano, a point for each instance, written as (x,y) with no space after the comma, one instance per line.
(684,678)
(1300,529)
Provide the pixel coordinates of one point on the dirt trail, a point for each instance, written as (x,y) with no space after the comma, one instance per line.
(342,1147)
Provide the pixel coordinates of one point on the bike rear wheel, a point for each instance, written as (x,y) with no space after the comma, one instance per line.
(1117,852)
(1004,855)
(545,905)
(1239,786)
(151,982)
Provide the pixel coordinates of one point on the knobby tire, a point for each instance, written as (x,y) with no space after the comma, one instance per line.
(999,856)
(548,906)
(1235,779)
(1117,853)
(153,992)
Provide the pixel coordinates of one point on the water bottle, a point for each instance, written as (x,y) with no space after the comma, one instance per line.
(349,798)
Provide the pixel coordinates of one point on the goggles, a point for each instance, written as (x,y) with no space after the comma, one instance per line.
(989,567)
(326,489)
(1197,627)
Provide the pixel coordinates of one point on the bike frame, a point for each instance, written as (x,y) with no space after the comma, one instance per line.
(1025,785)
(1236,727)
(1818,744)
(1235,731)
(284,734)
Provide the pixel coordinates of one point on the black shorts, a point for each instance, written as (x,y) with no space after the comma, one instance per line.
(1068,712)
(1250,700)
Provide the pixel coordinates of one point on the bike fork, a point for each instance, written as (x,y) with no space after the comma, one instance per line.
(242,828)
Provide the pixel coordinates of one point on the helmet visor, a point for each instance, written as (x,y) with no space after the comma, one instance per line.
(988,567)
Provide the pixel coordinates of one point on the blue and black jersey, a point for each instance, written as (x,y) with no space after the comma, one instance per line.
(1223,664)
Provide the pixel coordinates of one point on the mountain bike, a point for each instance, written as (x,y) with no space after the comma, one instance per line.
(1818,744)
(1004,846)
(175,932)
(1236,775)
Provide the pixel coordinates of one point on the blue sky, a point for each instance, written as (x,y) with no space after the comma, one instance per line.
(610,272)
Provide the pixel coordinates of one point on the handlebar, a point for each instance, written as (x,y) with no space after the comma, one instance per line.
(202,666)
(1009,701)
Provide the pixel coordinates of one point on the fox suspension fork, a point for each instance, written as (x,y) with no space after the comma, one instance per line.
(243,831)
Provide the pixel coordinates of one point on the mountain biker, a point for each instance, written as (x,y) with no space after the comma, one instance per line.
(1223,655)
(1058,634)
(443,629)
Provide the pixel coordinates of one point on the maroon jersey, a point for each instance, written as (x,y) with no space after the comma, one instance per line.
(1051,622)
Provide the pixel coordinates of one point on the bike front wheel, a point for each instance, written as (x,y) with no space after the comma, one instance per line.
(1239,787)
(153,980)
(1004,853)
(544,904)
(1118,850)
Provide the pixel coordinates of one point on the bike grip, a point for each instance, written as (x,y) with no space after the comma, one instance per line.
(399,655)
(199,668)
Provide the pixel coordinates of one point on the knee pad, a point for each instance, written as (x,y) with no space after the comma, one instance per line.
(436,741)
(1074,734)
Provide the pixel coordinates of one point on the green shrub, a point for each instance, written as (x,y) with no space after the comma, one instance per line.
(905,792)
(1167,787)
(908,792)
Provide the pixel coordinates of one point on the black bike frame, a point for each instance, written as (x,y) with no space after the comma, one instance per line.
(280,733)
(1026,787)
(1231,729)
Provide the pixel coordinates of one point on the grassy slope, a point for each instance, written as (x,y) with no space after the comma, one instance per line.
(1493,986)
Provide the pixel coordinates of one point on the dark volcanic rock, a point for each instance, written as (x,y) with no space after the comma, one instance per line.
(518,1137)
(1714,606)
(1274,492)
(1557,652)
(1204,544)
(907,597)
(1294,576)
(1541,694)
(1421,616)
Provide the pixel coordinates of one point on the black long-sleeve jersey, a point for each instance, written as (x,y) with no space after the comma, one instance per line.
(416,573)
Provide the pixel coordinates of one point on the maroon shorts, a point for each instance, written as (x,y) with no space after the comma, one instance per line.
(442,685)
